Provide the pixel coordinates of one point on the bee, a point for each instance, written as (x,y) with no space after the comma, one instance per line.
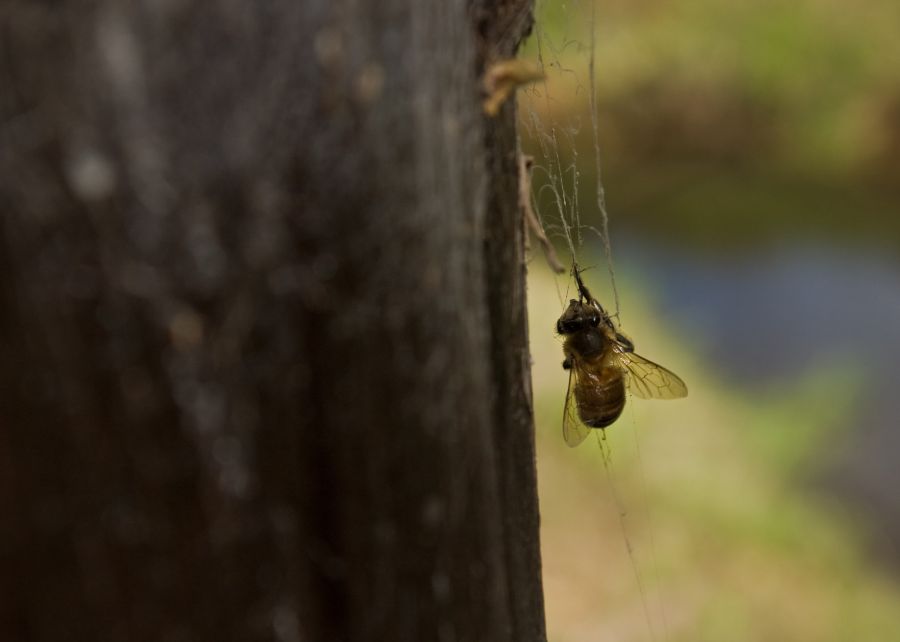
(602,366)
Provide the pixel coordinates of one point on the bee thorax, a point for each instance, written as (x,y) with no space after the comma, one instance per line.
(587,342)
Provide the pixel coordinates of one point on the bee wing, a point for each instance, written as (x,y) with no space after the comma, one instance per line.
(574,431)
(650,380)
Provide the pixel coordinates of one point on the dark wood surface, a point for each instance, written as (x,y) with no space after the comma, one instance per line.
(264,365)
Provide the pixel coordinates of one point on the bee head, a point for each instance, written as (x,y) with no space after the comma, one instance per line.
(578,316)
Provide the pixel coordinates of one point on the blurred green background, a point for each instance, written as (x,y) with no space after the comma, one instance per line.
(751,160)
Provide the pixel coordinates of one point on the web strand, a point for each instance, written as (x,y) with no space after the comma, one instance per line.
(606,455)
(601,192)
(650,534)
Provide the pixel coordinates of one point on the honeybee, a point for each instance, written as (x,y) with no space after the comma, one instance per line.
(602,365)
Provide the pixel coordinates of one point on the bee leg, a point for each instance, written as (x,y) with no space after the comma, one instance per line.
(625,342)
(567,365)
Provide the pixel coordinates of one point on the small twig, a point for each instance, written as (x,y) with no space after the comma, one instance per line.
(534,223)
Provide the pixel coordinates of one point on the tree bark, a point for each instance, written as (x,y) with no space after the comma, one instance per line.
(264,367)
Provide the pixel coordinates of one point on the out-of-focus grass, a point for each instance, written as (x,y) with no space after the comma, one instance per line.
(728,538)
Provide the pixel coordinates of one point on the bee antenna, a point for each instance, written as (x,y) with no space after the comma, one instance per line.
(582,288)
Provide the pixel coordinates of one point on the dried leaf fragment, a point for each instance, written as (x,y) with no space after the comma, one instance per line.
(531,217)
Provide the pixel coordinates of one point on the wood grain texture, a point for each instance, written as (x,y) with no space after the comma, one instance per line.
(263,351)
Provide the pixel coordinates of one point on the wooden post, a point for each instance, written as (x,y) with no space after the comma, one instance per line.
(263,348)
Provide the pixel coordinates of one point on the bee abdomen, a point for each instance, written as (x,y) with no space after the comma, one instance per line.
(599,406)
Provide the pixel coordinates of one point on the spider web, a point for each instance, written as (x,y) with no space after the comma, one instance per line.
(554,115)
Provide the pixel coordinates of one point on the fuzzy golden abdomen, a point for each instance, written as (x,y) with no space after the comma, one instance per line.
(600,398)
